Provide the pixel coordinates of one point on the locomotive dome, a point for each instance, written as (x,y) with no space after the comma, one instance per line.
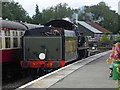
(62,24)
(12,25)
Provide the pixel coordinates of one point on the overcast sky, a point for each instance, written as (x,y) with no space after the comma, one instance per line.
(29,5)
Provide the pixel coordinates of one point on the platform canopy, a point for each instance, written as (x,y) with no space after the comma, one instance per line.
(61,24)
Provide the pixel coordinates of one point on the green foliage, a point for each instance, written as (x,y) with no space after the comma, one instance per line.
(102,15)
(14,11)
(118,38)
(37,17)
(47,15)
(104,38)
(111,37)
(57,12)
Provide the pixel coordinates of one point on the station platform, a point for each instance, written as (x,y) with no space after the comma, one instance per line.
(92,75)
(91,72)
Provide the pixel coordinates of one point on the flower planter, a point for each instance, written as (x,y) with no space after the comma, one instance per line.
(116,70)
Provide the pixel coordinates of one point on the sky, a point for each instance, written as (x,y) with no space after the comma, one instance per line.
(29,5)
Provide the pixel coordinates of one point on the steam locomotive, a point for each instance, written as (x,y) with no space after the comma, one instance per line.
(52,46)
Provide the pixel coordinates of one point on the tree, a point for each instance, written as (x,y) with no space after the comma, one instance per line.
(63,11)
(37,18)
(47,15)
(104,37)
(111,37)
(14,11)
(57,12)
(102,15)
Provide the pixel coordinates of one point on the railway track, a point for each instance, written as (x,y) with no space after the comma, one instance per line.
(18,81)
(21,80)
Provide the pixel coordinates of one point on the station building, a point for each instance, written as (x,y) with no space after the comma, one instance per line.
(92,30)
